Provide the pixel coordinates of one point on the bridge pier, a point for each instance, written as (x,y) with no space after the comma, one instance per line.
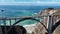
(10,22)
(50,24)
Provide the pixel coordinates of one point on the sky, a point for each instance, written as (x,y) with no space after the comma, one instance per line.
(29,2)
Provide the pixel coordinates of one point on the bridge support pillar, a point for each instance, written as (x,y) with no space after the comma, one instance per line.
(50,24)
(5,30)
(10,22)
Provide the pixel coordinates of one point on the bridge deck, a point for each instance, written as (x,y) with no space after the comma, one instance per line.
(20,17)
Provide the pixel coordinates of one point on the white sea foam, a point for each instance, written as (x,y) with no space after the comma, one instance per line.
(29,25)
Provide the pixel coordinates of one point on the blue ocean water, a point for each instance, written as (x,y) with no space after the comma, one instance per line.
(17,10)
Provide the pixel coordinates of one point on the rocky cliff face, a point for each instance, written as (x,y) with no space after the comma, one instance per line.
(30,28)
(48,11)
(38,28)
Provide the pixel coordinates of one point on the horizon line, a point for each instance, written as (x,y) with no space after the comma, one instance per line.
(31,3)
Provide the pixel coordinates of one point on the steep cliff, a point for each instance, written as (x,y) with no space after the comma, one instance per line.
(38,27)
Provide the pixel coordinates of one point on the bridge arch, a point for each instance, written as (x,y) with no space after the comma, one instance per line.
(27,19)
(30,19)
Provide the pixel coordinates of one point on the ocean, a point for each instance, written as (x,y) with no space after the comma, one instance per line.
(17,10)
